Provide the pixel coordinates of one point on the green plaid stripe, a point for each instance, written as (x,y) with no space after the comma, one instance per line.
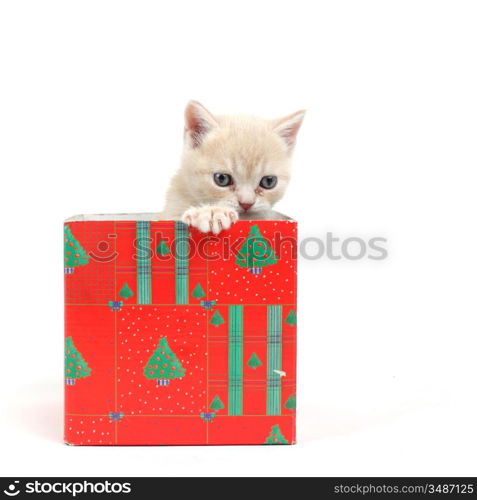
(143,263)
(274,359)
(235,381)
(182,262)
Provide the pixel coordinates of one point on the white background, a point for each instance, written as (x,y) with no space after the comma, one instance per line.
(91,104)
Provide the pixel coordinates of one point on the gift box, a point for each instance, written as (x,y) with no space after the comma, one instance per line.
(175,337)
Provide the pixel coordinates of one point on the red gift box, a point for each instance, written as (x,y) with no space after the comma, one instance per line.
(176,337)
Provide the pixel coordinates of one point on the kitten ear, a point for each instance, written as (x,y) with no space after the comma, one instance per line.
(198,123)
(287,128)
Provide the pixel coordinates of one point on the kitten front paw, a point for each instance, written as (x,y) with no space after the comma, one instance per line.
(209,218)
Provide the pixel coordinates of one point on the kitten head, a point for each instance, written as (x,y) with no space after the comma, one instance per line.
(240,161)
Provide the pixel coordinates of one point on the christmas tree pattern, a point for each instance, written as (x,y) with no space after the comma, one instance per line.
(276,436)
(291,402)
(254,361)
(216,403)
(75,366)
(255,253)
(126,292)
(198,292)
(291,318)
(163,365)
(74,252)
(217,319)
(163,248)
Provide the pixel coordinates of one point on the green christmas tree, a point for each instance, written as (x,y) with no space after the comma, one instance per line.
(291,402)
(74,252)
(125,292)
(291,318)
(216,319)
(163,365)
(198,292)
(162,248)
(254,361)
(75,366)
(216,403)
(255,253)
(276,436)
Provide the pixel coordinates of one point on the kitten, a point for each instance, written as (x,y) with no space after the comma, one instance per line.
(232,167)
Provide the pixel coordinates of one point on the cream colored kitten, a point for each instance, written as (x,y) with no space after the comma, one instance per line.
(233,167)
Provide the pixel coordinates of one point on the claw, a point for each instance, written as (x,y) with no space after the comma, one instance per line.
(210,219)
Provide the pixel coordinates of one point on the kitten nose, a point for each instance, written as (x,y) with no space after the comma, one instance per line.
(245,206)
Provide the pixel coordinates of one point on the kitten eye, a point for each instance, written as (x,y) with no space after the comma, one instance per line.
(269,181)
(223,180)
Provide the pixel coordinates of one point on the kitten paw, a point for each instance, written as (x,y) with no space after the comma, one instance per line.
(209,218)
